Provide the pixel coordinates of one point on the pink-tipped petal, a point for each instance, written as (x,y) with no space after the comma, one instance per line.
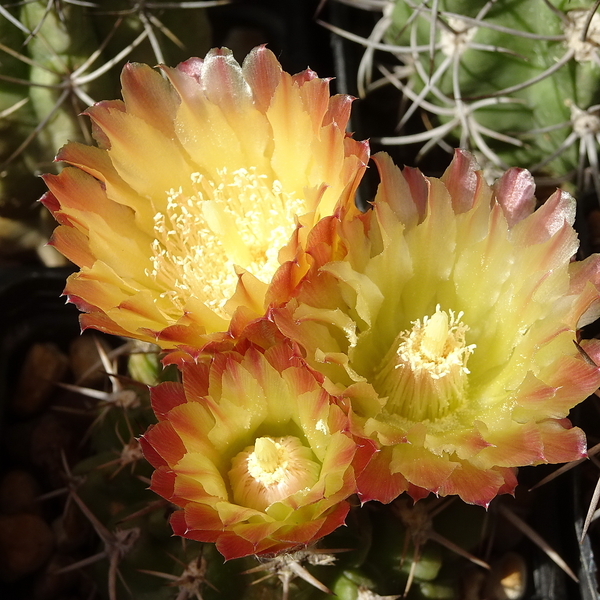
(515,191)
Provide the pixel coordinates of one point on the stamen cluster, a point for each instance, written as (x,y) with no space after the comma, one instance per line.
(237,219)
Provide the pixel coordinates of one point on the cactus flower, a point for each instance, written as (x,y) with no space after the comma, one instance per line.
(201,184)
(253,450)
(448,315)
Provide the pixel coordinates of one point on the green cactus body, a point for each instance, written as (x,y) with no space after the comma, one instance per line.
(488,55)
(15,175)
(41,79)
(144,364)
(61,45)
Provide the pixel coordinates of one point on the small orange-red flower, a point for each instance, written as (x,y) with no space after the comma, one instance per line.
(201,185)
(448,315)
(253,450)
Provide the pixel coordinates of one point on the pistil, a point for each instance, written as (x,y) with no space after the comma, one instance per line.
(425,375)
(271,470)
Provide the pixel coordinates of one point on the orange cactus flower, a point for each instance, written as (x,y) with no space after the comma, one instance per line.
(448,315)
(200,186)
(253,450)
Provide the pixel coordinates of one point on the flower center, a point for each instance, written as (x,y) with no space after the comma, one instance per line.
(426,373)
(269,461)
(242,218)
(271,470)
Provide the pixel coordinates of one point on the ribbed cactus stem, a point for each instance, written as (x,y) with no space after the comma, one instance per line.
(498,78)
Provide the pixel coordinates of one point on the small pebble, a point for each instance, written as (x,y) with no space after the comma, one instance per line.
(19,492)
(26,543)
(508,578)
(44,366)
(51,439)
(85,360)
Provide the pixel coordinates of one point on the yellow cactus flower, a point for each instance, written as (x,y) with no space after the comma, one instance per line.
(448,315)
(254,451)
(202,183)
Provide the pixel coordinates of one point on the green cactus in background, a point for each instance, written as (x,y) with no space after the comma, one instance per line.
(56,59)
(516,81)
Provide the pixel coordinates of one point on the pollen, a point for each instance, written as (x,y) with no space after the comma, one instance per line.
(425,377)
(242,219)
(271,470)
